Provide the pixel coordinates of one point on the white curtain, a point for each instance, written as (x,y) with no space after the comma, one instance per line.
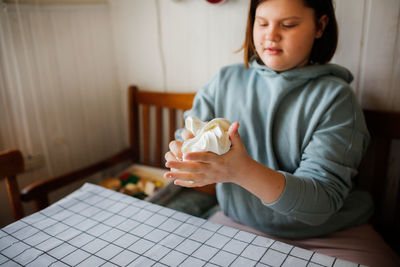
(59,92)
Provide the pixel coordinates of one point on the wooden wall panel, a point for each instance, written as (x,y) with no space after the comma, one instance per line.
(59,90)
(395,79)
(379,60)
(350,17)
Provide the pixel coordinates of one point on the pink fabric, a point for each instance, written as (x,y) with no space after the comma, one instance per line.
(360,244)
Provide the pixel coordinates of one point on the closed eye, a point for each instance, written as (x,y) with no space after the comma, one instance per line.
(262,24)
(289,26)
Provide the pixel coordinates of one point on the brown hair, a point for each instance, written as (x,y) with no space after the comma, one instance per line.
(324,47)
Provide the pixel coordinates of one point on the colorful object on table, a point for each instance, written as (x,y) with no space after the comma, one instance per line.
(145,186)
(139,186)
(158,184)
(111,183)
(149,188)
(128,177)
(130,189)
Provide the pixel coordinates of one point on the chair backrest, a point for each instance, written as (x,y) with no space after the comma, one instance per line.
(379,173)
(12,164)
(140,122)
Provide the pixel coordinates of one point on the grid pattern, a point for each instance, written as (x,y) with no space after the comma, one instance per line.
(95,226)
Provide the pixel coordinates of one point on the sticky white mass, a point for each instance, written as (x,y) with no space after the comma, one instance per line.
(208,136)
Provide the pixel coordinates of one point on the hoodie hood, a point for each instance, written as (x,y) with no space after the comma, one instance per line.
(307,72)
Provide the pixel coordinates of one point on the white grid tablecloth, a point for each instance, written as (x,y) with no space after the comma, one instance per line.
(95,226)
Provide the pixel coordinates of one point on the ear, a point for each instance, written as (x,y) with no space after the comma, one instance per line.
(321,25)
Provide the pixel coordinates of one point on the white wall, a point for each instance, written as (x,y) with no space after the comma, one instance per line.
(199,38)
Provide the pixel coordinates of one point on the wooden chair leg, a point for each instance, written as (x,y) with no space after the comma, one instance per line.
(14,196)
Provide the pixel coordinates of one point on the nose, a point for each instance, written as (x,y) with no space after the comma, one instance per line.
(272,34)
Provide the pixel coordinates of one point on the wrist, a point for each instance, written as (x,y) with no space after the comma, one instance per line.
(265,183)
(239,174)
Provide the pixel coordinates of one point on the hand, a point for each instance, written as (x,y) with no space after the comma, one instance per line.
(202,168)
(175,153)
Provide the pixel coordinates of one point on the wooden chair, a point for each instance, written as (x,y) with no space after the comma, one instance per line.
(12,164)
(172,102)
(380,176)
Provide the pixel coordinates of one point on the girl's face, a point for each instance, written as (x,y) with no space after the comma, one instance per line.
(284,33)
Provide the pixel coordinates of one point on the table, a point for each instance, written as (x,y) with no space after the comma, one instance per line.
(94,226)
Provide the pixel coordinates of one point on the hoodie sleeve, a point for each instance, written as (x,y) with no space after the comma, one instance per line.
(329,160)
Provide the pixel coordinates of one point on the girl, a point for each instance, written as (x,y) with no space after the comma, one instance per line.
(302,133)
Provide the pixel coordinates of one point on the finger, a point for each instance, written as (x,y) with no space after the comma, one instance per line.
(233,132)
(175,148)
(186,134)
(185,176)
(187,166)
(189,184)
(169,156)
(206,157)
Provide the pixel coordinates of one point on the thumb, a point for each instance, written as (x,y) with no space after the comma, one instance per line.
(233,132)
(186,134)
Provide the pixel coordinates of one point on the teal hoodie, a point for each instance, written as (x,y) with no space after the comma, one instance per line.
(305,123)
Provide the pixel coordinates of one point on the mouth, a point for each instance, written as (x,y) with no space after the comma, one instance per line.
(273,50)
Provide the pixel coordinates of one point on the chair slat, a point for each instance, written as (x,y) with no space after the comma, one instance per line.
(146,134)
(172,123)
(133,119)
(159,126)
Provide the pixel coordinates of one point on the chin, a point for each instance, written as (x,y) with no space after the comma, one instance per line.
(277,68)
